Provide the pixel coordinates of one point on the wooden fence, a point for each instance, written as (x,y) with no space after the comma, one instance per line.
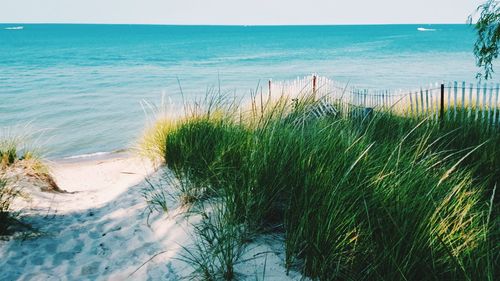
(452,101)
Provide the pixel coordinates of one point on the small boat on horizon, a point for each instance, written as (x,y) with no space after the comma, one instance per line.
(14,28)
(425,29)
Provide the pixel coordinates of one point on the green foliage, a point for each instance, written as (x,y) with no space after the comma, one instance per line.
(4,206)
(218,246)
(389,198)
(12,151)
(7,194)
(152,143)
(156,197)
(18,162)
(486,48)
(8,153)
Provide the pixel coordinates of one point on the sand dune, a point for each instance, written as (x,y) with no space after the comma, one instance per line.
(102,230)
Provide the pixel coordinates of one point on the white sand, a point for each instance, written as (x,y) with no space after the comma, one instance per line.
(103,230)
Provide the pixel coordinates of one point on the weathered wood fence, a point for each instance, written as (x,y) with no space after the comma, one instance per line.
(451,101)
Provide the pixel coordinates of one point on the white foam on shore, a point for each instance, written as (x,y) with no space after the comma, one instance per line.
(94,156)
(89,155)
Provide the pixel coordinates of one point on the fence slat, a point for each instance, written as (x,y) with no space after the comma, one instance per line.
(364,98)
(483,107)
(381,99)
(431,93)
(490,104)
(436,100)
(386,100)
(422,105)
(478,92)
(496,106)
(471,87)
(455,86)
(427,101)
(416,103)
(463,105)
(448,101)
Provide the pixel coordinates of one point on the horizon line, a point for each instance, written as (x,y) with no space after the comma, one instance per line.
(243,25)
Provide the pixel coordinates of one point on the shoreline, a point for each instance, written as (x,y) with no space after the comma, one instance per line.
(92,157)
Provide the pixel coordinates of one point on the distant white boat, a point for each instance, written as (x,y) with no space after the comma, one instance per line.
(425,29)
(15,28)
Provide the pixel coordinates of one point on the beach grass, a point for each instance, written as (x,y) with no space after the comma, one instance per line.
(9,152)
(379,198)
(19,163)
(7,194)
(152,143)
(219,244)
(15,149)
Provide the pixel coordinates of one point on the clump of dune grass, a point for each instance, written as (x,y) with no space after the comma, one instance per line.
(218,245)
(20,161)
(156,197)
(163,119)
(9,218)
(380,198)
(152,143)
(14,149)
(20,166)
(219,241)
(10,152)
(182,190)
(7,195)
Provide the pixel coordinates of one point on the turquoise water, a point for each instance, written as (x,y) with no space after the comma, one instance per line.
(83,84)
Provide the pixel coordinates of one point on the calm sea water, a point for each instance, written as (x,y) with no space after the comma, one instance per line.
(83,84)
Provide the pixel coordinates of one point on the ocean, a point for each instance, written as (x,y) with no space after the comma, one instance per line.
(80,87)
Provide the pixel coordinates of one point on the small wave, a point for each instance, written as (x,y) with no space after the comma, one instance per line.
(425,29)
(89,155)
(102,155)
(14,28)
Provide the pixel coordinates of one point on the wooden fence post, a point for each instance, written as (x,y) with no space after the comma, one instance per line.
(441,111)
(314,87)
(269,85)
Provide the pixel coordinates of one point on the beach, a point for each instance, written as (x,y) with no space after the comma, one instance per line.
(102,229)
(315,152)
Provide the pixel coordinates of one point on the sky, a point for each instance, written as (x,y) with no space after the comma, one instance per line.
(237,12)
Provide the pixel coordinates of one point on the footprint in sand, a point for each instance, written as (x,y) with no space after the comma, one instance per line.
(63,256)
(51,247)
(40,276)
(95,235)
(103,250)
(156,272)
(37,260)
(78,247)
(112,229)
(91,269)
(20,262)
(68,244)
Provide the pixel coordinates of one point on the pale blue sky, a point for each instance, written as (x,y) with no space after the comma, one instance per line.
(237,11)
